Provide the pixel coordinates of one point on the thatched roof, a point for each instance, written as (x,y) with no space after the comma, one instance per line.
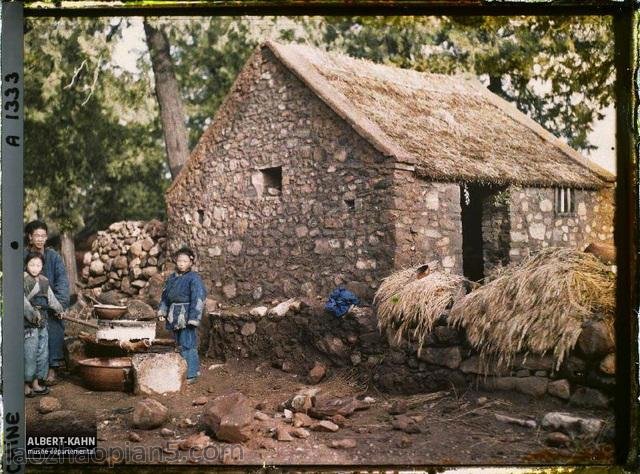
(450,128)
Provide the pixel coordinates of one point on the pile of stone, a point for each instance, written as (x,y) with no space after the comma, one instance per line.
(126,257)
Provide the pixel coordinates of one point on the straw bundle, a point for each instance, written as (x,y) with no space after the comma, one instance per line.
(537,306)
(411,307)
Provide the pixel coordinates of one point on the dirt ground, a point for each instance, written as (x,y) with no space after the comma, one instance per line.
(455,428)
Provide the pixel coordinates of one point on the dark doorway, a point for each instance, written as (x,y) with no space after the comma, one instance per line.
(471,199)
(485,229)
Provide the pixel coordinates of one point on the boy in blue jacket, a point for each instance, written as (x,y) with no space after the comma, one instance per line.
(181,306)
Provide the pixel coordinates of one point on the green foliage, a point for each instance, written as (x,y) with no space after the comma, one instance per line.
(93,150)
(207,54)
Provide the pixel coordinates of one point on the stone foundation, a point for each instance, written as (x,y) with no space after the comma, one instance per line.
(296,341)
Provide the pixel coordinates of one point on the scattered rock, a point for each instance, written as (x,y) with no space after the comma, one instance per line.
(287,366)
(261,416)
(259,311)
(317,373)
(49,405)
(267,443)
(149,414)
(596,339)
(339,420)
(282,309)
(282,434)
(516,421)
(301,403)
(405,424)
(347,443)
(200,401)
(327,407)
(288,414)
(557,440)
(198,441)
(134,437)
(589,397)
(369,400)
(166,432)
(325,425)
(186,423)
(302,420)
(572,425)
(560,388)
(230,417)
(482,401)
(248,329)
(157,374)
(608,364)
(300,433)
(398,407)
(403,442)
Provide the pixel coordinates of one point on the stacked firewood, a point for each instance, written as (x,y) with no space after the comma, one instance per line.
(125,257)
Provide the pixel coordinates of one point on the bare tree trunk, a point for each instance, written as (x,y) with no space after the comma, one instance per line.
(169,99)
(68,254)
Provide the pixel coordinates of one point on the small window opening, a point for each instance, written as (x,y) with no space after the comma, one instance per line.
(565,201)
(351,204)
(200,216)
(272,179)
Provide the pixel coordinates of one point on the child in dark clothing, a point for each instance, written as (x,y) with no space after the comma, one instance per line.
(38,298)
(181,305)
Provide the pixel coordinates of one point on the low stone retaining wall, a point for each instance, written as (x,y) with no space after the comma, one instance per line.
(294,342)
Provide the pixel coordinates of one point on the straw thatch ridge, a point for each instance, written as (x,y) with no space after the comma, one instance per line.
(451,128)
(537,307)
(410,307)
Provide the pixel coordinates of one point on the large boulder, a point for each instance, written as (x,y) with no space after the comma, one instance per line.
(157,374)
(560,388)
(230,417)
(572,425)
(589,398)
(49,405)
(446,356)
(534,386)
(596,339)
(149,414)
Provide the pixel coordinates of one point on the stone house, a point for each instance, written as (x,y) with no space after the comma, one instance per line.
(320,169)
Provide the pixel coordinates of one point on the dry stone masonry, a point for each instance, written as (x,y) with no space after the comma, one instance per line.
(307,339)
(127,257)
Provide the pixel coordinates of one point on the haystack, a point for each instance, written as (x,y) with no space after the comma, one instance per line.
(537,307)
(410,307)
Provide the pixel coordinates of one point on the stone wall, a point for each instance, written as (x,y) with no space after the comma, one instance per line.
(333,220)
(535,225)
(297,340)
(428,224)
